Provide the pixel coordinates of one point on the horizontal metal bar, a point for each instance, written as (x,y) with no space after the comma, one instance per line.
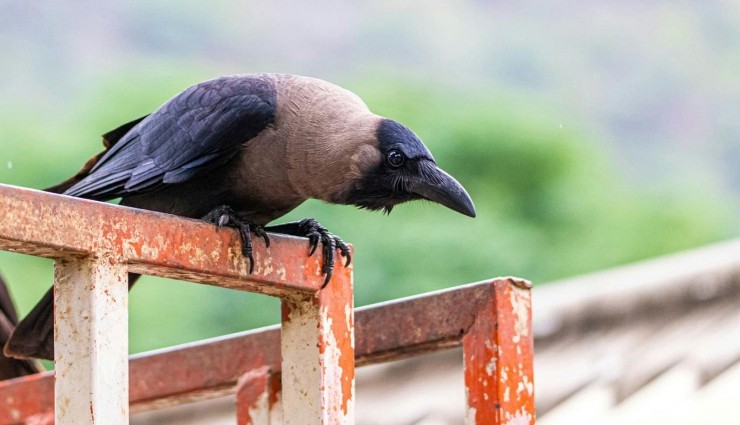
(383,332)
(152,243)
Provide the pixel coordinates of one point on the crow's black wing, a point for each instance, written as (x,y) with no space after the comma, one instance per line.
(200,128)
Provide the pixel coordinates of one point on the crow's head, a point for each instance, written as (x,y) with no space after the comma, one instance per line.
(399,169)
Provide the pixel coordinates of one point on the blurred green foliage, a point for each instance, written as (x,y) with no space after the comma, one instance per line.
(550,203)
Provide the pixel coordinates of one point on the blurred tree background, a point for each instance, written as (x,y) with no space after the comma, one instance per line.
(589,135)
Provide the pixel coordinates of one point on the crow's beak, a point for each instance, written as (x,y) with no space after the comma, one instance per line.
(436,185)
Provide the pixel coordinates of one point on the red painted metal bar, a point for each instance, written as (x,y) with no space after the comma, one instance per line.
(383,332)
(152,243)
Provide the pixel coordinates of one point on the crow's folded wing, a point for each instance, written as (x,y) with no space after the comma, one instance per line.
(197,130)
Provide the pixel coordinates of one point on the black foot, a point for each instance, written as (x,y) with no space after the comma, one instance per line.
(225,216)
(316,233)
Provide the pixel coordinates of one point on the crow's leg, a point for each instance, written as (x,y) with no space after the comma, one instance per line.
(225,216)
(316,233)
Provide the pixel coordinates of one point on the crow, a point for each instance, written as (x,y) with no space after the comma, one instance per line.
(244,150)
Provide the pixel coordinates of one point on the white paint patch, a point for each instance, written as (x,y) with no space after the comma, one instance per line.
(268,266)
(521,305)
(257,263)
(149,251)
(521,417)
(490,345)
(259,413)
(470,416)
(276,410)
(529,385)
(491,366)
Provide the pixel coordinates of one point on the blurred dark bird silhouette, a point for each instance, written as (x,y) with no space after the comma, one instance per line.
(9,367)
(241,151)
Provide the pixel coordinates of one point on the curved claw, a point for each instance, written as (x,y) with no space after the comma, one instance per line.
(226,216)
(260,231)
(316,234)
(246,235)
(329,246)
(326,280)
(347,255)
(313,242)
(251,263)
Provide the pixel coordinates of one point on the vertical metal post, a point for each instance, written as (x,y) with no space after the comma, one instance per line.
(317,343)
(91,341)
(498,354)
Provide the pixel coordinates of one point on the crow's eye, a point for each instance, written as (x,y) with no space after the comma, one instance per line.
(395,158)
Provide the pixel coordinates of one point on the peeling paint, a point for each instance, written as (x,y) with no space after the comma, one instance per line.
(521,417)
(521,306)
(268,266)
(491,366)
(470,415)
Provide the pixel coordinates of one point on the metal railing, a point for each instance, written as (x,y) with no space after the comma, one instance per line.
(309,361)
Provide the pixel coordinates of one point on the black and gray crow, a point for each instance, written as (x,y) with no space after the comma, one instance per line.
(244,150)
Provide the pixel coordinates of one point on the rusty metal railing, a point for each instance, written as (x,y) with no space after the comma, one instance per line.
(311,366)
